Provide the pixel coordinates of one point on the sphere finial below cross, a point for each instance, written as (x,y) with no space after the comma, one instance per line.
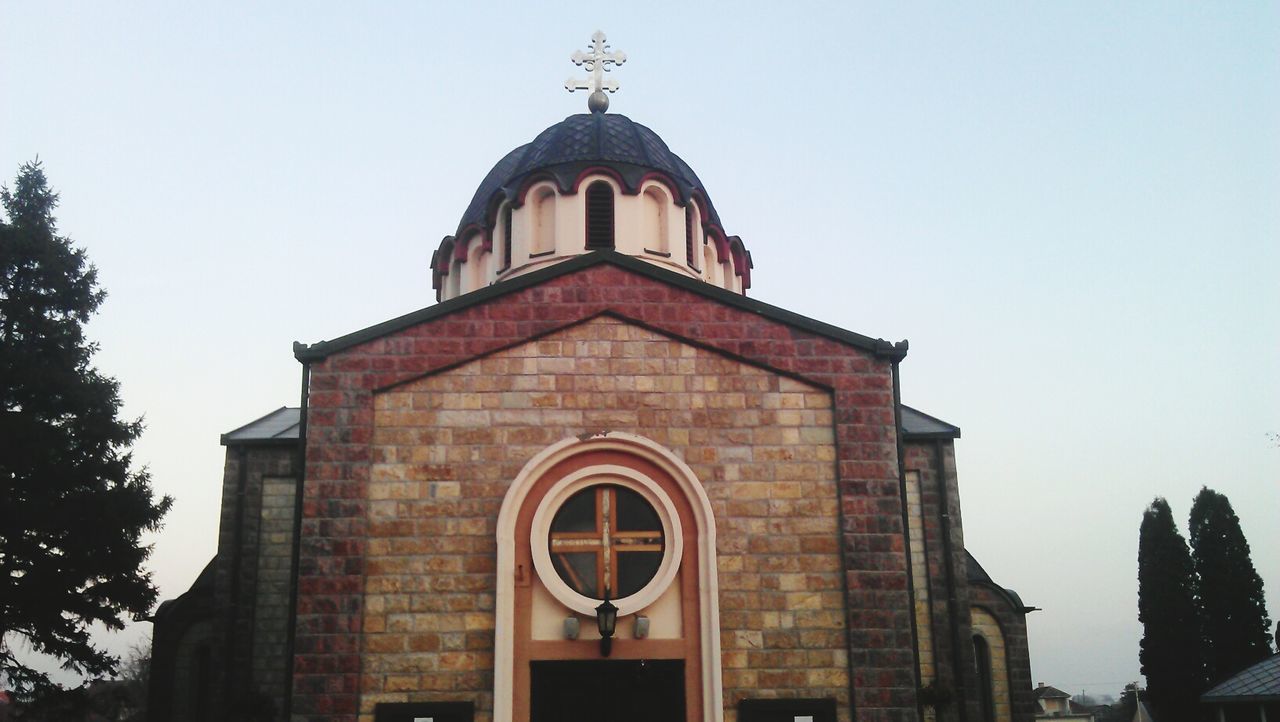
(596,62)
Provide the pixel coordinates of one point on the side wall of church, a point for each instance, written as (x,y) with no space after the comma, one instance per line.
(946,578)
(446,448)
(336,506)
(251,584)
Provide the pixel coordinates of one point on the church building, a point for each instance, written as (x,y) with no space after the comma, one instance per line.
(595,481)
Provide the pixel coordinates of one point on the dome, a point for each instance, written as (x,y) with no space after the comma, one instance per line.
(639,199)
(563,151)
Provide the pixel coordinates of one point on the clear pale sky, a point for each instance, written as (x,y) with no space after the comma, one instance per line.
(1071,210)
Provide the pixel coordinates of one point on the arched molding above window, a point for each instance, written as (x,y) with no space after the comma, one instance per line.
(670,186)
(521,195)
(578,450)
(590,175)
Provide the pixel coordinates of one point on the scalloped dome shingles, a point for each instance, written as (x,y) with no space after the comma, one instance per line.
(581,141)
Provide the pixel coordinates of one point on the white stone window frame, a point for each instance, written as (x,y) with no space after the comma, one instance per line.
(600,475)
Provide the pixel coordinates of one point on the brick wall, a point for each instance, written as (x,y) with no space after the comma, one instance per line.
(336,523)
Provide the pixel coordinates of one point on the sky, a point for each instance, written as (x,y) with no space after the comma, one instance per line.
(1069,209)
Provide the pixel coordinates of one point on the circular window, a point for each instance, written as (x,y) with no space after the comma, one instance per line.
(606,540)
(606,528)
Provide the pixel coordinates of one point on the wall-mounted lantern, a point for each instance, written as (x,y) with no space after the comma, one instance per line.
(606,622)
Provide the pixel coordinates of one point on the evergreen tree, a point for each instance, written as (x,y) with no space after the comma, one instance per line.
(1170,653)
(73,510)
(1232,608)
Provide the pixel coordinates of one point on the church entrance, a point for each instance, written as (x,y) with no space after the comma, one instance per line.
(626,690)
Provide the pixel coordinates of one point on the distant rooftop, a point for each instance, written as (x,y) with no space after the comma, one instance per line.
(1045,691)
(282,425)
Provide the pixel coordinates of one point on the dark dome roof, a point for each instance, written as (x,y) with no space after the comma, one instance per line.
(579,142)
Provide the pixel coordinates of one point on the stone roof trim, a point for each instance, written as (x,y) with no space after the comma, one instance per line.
(1258,683)
(879,347)
(279,426)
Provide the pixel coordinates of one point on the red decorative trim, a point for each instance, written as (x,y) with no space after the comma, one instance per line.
(741,260)
(601,170)
(470,233)
(673,190)
(716,233)
(442,256)
(529,182)
(701,201)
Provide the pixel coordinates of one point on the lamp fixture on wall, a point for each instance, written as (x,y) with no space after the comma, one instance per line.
(606,622)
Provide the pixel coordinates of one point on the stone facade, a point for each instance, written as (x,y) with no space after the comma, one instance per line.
(445,448)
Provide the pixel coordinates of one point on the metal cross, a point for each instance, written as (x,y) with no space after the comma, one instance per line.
(596,62)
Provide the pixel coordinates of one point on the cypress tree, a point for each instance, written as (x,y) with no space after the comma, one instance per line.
(1232,608)
(1170,652)
(72,510)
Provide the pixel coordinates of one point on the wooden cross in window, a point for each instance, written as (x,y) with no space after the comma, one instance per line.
(607,542)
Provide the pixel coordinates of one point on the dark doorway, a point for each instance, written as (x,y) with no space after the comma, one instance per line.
(607,691)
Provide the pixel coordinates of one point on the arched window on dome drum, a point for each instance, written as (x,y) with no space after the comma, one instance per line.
(506,238)
(543,222)
(599,215)
(654,222)
(986,690)
(690,224)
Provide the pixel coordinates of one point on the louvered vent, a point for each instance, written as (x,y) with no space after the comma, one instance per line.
(688,236)
(506,238)
(599,215)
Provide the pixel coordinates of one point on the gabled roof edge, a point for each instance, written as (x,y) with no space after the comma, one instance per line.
(323,349)
(225,438)
(952,431)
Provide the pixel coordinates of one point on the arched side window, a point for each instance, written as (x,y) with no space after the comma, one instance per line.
(654,222)
(543,222)
(690,233)
(506,238)
(710,267)
(599,215)
(986,690)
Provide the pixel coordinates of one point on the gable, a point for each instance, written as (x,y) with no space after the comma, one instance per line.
(699,290)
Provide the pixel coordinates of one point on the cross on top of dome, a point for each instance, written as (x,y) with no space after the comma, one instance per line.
(596,62)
